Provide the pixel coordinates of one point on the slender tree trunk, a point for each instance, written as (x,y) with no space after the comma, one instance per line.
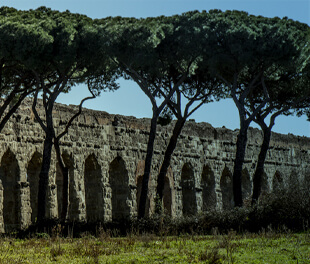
(148,165)
(44,176)
(46,161)
(65,193)
(166,163)
(239,160)
(259,171)
(65,186)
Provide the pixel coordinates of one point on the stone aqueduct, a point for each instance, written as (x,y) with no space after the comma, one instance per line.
(104,154)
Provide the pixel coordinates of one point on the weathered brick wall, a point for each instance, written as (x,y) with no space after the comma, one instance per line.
(105,153)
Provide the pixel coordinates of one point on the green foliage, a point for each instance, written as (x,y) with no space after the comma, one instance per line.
(56,44)
(267,247)
(250,46)
(165,117)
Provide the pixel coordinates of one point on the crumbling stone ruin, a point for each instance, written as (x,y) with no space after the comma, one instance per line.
(104,154)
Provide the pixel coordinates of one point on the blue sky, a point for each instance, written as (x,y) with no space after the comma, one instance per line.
(129,100)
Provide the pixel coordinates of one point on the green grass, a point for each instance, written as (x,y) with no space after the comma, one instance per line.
(231,248)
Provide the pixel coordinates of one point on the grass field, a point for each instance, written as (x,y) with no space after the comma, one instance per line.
(266,247)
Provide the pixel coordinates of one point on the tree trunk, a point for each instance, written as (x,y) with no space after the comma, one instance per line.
(239,160)
(65,193)
(65,186)
(148,165)
(166,163)
(44,176)
(257,179)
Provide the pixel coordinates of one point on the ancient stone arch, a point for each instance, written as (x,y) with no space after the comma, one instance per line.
(227,189)
(93,185)
(208,189)
(10,175)
(118,179)
(33,172)
(246,186)
(188,190)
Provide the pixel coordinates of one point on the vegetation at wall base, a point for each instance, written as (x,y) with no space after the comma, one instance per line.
(276,230)
(280,211)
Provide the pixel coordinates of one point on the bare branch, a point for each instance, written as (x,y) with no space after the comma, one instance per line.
(265,88)
(256,111)
(250,88)
(233,89)
(76,115)
(193,110)
(14,108)
(141,82)
(203,100)
(158,89)
(171,92)
(34,110)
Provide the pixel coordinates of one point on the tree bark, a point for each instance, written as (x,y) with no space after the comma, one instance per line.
(65,193)
(65,186)
(148,165)
(239,160)
(259,171)
(166,163)
(44,176)
(47,154)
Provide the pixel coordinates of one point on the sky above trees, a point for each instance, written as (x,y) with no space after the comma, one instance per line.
(129,99)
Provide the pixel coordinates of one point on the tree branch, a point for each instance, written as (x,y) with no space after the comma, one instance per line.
(34,110)
(250,88)
(140,81)
(76,115)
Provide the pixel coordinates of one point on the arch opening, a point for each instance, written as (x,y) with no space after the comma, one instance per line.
(118,177)
(227,189)
(188,190)
(10,175)
(93,190)
(33,173)
(208,189)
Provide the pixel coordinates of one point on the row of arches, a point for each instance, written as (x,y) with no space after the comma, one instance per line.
(94,188)
(116,194)
(97,193)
